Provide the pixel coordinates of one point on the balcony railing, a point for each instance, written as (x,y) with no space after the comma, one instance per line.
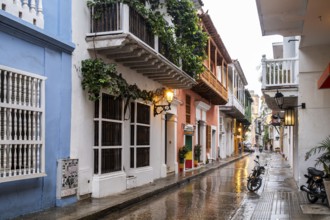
(279,72)
(28,10)
(234,106)
(122,34)
(209,87)
(214,83)
(118,18)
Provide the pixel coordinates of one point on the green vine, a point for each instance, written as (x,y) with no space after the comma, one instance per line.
(98,75)
(185,40)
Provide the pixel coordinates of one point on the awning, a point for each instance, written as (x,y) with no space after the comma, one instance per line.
(324,80)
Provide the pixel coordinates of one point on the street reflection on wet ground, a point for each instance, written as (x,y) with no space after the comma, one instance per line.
(221,194)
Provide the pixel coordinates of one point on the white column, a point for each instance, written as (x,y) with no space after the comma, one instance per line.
(124,14)
(264,71)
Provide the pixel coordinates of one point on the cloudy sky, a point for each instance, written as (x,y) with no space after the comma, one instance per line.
(238,25)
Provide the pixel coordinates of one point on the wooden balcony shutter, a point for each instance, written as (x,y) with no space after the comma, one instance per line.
(188,109)
(208,136)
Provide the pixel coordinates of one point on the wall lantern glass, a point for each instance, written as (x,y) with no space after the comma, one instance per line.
(279,99)
(160,95)
(289,117)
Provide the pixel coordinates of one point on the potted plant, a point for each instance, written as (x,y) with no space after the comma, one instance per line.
(323,158)
(182,154)
(197,154)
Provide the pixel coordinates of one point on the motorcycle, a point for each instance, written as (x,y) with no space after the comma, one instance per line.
(255,180)
(315,187)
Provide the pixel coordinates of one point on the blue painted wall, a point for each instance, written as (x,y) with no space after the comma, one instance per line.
(46,52)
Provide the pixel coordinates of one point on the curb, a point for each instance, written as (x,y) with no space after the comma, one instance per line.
(130,202)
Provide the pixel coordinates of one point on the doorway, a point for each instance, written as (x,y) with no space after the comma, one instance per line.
(170,142)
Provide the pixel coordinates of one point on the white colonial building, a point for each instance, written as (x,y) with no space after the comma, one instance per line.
(118,150)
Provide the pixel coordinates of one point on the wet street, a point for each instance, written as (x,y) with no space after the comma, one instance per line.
(221,194)
(216,191)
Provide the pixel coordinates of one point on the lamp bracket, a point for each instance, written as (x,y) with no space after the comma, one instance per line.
(303,106)
(158,109)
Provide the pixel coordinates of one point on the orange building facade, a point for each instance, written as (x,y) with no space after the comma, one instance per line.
(198,111)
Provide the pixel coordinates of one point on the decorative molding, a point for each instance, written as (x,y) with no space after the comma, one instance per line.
(202,105)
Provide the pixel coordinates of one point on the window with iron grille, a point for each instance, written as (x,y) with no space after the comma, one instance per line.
(188,109)
(140,135)
(22,117)
(108,130)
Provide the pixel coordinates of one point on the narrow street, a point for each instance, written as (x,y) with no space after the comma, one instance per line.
(222,194)
(216,191)
(219,195)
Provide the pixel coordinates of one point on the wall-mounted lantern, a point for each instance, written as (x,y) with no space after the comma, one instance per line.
(279,99)
(160,95)
(289,117)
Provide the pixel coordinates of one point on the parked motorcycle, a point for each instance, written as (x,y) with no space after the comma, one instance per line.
(255,180)
(315,187)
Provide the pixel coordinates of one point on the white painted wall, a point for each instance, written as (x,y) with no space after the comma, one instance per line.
(229,138)
(82,130)
(314,121)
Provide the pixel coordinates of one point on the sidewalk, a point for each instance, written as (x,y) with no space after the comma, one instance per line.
(280,197)
(93,208)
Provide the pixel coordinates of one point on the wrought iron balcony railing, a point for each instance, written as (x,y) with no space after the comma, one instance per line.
(118,18)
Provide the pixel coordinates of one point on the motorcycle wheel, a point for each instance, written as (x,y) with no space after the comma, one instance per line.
(254,184)
(311,198)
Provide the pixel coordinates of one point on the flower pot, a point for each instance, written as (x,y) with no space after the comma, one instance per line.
(196,163)
(182,165)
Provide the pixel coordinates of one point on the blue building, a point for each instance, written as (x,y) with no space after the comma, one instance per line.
(35,105)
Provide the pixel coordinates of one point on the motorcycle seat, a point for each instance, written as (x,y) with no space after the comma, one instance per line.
(315,172)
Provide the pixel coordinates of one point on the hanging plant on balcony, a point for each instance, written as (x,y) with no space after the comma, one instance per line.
(98,75)
(185,40)
(191,39)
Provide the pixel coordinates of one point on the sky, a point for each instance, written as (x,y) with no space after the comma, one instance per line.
(237,23)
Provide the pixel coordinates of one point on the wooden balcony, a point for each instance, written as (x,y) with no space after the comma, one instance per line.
(123,35)
(210,88)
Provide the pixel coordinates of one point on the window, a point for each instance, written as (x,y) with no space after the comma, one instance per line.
(21,125)
(140,135)
(208,136)
(108,129)
(188,109)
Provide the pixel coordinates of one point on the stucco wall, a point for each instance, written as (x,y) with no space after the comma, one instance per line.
(82,132)
(40,56)
(314,121)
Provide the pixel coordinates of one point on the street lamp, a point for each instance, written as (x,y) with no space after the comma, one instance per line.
(161,94)
(279,99)
(289,115)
